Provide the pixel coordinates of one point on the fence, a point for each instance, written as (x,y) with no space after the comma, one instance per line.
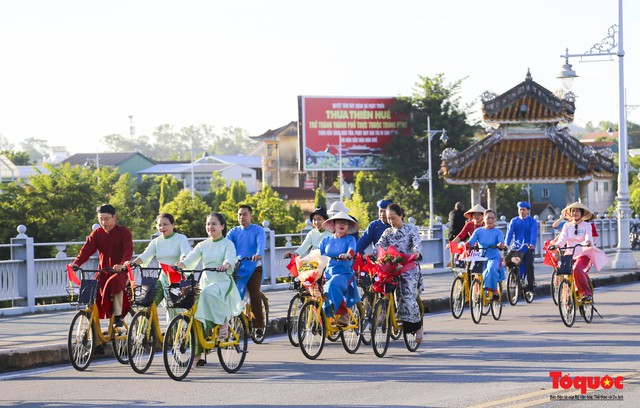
(24,280)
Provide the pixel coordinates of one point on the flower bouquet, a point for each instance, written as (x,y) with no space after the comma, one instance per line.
(391,264)
(310,269)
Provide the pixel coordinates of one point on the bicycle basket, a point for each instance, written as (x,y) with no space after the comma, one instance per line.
(477,266)
(182,294)
(87,293)
(565,265)
(294,284)
(513,258)
(145,292)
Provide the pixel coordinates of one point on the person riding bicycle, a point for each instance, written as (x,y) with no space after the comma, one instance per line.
(249,240)
(456,220)
(168,248)
(475,216)
(115,247)
(338,206)
(522,232)
(219,298)
(315,236)
(405,238)
(486,237)
(577,231)
(375,228)
(340,288)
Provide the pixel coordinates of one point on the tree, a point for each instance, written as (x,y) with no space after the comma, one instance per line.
(406,157)
(218,190)
(169,189)
(36,148)
(267,206)
(5,144)
(237,191)
(17,158)
(190,213)
(359,209)
(320,199)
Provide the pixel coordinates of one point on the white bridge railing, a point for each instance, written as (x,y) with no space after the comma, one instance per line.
(26,281)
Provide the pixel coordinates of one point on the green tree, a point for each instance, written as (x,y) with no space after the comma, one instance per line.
(320,199)
(237,191)
(169,189)
(17,158)
(267,206)
(507,198)
(218,190)
(190,213)
(359,209)
(406,157)
(35,148)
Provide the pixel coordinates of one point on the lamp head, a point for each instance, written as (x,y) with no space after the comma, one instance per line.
(415,183)
(567,75)
(444,138)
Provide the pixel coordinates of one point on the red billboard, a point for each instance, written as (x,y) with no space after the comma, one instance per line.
(351,130)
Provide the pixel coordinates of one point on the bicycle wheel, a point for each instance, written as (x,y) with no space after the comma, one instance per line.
(119,341)
(457,297)
(496,308)
(555,285)
(81,340)
(410,338)
(333,336)
(311,330)
(140,341)
(566,304)
(292,318)
(351,335)
(476,301)
(513,283)
(233,350)
(586,308)
(178,348)
(380,327)
(259,338)
(367,305)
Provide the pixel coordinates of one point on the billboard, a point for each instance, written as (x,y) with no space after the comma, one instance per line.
(360,126)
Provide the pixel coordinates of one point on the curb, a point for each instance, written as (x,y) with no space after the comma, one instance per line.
(32,357)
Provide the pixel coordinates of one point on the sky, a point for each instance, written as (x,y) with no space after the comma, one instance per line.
(73,71)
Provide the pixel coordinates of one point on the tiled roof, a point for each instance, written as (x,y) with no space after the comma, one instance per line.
(290,129)
(106,159)
(527,102)
(551,157)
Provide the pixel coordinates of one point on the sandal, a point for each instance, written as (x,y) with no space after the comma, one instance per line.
(419,336)
(223,332)
(343,320)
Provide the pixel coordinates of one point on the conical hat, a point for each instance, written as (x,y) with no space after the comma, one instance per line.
(587,216)
(475,209)
(329,224)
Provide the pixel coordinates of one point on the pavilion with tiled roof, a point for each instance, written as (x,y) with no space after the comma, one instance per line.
(527,144)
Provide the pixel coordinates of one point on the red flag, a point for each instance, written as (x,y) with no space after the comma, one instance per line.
(173,275)
(130,274)
(71,275)
(293,266)
(358,265)
(549,259)
(456,248)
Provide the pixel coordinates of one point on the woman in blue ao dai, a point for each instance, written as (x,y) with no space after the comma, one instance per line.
(486,237)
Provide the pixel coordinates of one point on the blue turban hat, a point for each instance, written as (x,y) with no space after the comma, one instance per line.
(383,204)
(524,204)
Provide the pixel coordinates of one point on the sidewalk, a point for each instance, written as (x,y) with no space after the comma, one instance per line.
(27,341)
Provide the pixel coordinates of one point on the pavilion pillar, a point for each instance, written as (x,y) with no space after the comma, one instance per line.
(492,196)
(571,192)
(475,194)
(583,192)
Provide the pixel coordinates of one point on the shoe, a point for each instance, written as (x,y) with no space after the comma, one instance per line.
(496,297)
(223,332)
(419,336)
(343,320)
(117,321)
(587,299)
(99,350)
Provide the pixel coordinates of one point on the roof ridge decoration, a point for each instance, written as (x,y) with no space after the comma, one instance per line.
(527,102)
(455,160)
(584,156)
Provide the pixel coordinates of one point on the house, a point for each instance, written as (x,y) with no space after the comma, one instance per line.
(279,151)
(131,162)
(304,198)
(8,170)
(200,172)
(529,143)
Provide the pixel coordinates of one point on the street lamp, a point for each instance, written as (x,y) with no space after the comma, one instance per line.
(623,258)
(427,176)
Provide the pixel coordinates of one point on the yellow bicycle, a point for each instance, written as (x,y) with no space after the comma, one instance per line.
(144,331)
(179,346)
(460,288)
(568,299)
(85,333)
(384,321)
(480,299)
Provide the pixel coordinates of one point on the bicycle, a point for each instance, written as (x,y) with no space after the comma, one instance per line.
(144,331)
(384,321)
(516,279)
(460,288)
(568,299)
(368,298)
(314,326)
(481,299)
(257,338)
(179,345)
(85,332)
